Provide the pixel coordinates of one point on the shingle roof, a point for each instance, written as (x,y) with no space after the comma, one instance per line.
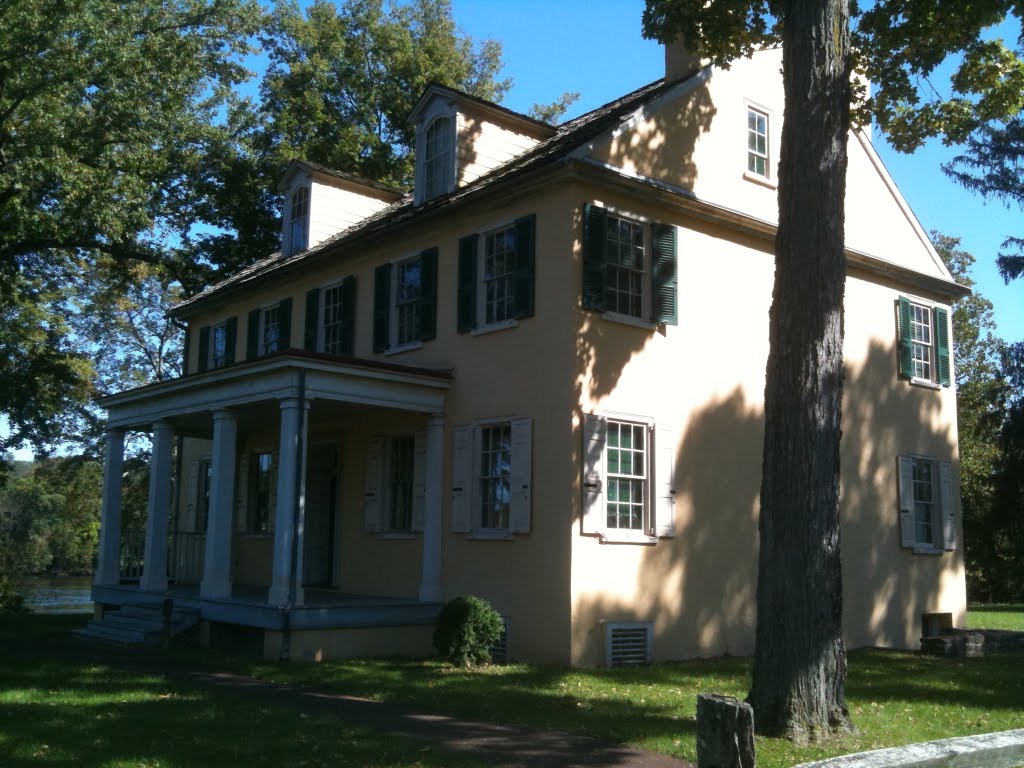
(568,137)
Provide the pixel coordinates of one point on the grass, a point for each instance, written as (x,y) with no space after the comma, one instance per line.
(62,704)
(59,706)
(996,616)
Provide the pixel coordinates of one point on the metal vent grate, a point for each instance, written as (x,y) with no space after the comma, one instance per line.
(499,651)
(628,644)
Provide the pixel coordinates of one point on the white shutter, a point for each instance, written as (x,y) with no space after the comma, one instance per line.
(193,495)
(242,493)
(664,482)
(419,472)
(948,514)
(595,430)
(906,465)
(372,506)
(519,521)
(462,479)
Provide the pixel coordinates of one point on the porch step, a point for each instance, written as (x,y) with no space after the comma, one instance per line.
(136,625)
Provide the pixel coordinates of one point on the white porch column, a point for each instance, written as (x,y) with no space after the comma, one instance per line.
(430,580)
(108,559)
(217,563)
(291,495)
(154,571)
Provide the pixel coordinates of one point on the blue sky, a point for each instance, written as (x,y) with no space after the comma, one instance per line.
(596,47)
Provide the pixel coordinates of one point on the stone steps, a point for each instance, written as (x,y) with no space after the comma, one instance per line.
(135,625)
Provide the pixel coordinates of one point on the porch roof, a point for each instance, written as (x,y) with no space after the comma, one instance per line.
(291,373)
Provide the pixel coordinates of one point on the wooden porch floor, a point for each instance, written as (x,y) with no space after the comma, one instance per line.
(247,606)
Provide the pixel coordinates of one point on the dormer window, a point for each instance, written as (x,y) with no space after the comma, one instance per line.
(437,157)
(298,231)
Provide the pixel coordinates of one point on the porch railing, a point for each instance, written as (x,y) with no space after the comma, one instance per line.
(185,553)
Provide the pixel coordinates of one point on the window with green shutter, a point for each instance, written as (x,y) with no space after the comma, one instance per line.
(405,302)
(923,332)
(330,317)
(629,266)
(496,276)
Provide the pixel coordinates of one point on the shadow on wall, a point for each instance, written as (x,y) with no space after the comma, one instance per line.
(700,587)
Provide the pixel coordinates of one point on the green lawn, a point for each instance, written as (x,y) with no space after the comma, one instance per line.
(59,705)
(996,616)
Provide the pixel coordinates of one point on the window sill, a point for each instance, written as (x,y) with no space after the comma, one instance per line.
(927,550)
(395,536)
(927,384)
(628,538)
(399,349)
(636,322)
(248,535)
(492,535)
(504,325)
(760,180)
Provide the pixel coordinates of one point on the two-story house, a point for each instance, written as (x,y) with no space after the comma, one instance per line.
(539,379)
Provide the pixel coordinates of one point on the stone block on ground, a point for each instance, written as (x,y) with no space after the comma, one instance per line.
(725,732)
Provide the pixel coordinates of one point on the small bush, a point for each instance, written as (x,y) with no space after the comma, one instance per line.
(467,629)
(11,601)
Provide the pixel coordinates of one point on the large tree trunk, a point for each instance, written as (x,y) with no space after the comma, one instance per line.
(800,662)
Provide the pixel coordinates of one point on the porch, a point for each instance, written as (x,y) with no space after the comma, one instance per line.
(208,565)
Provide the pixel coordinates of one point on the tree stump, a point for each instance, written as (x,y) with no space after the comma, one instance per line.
(725,732)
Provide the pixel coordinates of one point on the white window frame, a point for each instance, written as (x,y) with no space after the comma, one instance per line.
(659,486)
(252,477)
(302,221)
(758,111)
(467,500)
(261,344)
(377,494)
(394,345)
(643,319)
(482,326)
(943,516)
(439,108)
(212,359)
(321,320)
(930,346)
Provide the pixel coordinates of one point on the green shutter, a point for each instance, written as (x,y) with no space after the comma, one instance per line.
(906,344)
(663,274)
(381,306)
(595,247)
(312,319)
(942,343)
(284,327)
(204,348)
(252,336)
(348,314)
(467,283)
(230,334)
(523,267)
(428,294)
(187,348)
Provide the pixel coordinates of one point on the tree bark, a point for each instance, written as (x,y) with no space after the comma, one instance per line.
(799,671)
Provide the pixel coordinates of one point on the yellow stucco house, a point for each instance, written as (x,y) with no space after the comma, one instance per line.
(539,379)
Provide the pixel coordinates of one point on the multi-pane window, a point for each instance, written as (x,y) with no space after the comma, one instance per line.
(437,157)
(757,142)
(262,508)
(408,294)
(625,267)
(921,341)
(924,501)
(205,476)
(400,483)
(333,309)
(270,329)
(219,346)
(495,475)
(299,220)
(626,473)
(498,268)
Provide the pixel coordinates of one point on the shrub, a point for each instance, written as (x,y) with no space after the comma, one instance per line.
(467,629)
(11,600)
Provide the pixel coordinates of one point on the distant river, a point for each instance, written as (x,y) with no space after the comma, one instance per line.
(65,594)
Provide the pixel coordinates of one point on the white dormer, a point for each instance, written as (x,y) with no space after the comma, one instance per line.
(320,202)
(459,138)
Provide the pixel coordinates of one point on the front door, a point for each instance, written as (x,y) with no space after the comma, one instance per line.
(318,538)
